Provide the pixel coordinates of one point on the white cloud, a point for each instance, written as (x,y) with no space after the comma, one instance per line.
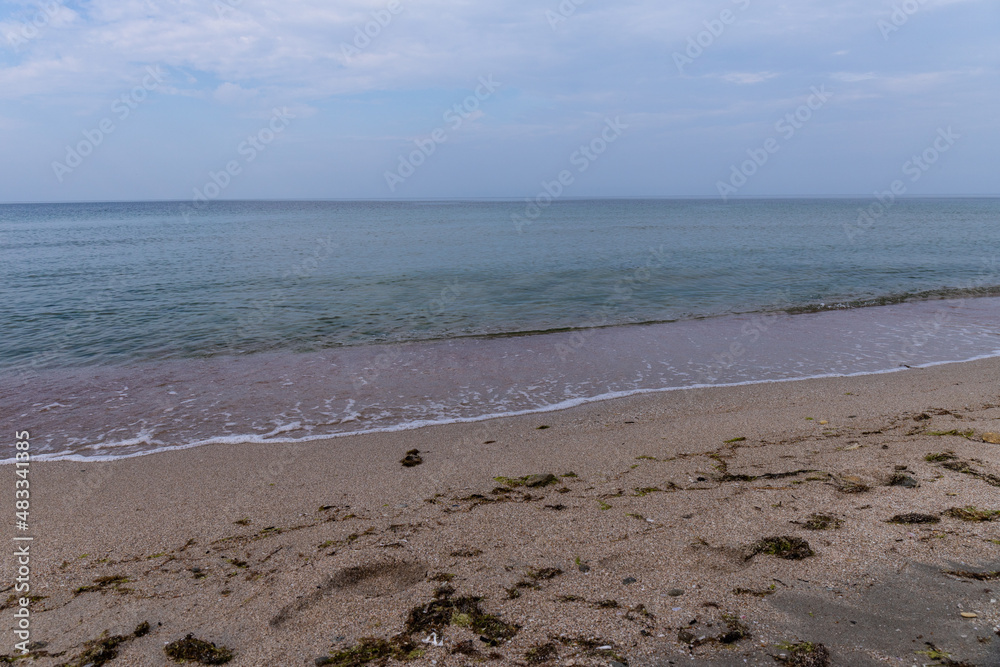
(744,78)
(261,52)
(852,77)
(233,93)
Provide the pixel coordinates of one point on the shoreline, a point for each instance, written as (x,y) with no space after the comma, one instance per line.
(413,426)
(670,492)
(282,398)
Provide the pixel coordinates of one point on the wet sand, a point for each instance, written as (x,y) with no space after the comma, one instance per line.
(647,546)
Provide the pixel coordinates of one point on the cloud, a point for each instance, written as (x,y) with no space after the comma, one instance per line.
(233,93)
(852,77)
(370,79)
(745,78)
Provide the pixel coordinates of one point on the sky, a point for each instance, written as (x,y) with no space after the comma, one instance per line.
(397,99)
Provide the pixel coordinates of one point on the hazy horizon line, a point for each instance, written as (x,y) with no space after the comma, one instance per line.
(498,199)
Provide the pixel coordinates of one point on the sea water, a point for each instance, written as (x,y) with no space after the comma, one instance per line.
(127,328)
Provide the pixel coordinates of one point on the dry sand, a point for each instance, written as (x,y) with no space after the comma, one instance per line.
(289,553)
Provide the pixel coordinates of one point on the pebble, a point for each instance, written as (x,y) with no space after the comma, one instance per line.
(992,438)
(629,580)
(675,592)
(969,614)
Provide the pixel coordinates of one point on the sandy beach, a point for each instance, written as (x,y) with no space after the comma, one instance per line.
(724,526)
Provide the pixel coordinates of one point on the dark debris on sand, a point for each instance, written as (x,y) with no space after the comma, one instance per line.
(914,518)
(805,654)
(104,649)
(192,649)
(443,611)
(787,547)
(412,459)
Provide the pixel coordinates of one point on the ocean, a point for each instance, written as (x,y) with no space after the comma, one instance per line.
(130,328)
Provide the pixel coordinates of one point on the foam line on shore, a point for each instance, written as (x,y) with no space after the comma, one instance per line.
(412,425)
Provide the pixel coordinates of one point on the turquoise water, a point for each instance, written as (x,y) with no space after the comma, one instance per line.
(127,327)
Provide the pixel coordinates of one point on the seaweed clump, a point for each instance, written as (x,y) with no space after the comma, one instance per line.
(444,610)
(536,655)
(104,649)
(804,654)
(941,657)
(464,612)
(972,513)
(786,547)
(530,481)
(115,582)
(851,484)
(735,630)
(975,576)
(822,522)
(914,518)
(192,649)
(901,479)
(369,649)
(412,459)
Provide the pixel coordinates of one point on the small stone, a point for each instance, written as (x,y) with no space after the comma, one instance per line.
(992,438)
(823,422)
(615,663)
(675,592)
(584,568)
(629,580)
(969,614)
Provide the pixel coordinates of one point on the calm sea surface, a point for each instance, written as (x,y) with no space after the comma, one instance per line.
(126,328)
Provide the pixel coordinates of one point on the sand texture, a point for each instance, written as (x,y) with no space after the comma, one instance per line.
(727,524)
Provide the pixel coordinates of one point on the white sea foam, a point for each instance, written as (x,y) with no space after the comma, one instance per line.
(157,447)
